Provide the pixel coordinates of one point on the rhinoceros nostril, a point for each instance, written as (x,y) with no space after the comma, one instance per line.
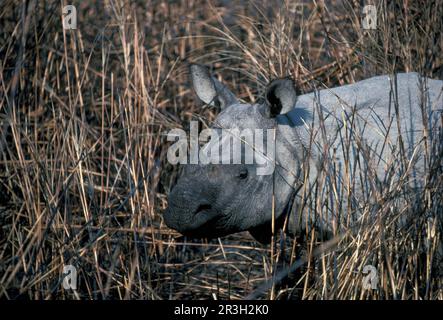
(203,207)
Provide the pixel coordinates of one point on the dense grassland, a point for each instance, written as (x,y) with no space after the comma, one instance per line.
(83,172)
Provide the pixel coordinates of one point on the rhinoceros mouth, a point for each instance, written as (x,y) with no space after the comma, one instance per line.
(205,221)
(208,223)
(209,230)
(194,223)
(202,208)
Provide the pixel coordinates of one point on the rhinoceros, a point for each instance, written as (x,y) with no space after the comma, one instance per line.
(350,131)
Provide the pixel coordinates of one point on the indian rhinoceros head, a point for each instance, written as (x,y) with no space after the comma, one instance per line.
(212,200)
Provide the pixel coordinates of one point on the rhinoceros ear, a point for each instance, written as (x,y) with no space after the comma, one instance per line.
(209,89)
(280,96)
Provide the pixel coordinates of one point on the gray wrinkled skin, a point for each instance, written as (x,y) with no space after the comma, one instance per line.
(216,200)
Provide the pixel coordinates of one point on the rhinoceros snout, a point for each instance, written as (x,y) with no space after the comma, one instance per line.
(188,214)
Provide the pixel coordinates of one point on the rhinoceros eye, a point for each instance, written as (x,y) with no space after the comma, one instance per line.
(243,174)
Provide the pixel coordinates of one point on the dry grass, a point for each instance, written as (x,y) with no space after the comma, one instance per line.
(83,171)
